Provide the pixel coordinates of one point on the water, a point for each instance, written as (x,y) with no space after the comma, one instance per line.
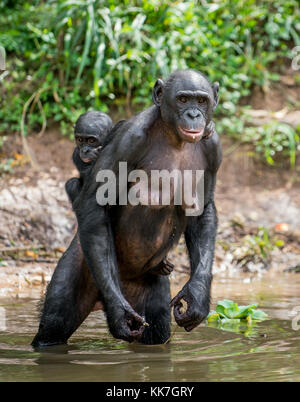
(270,353)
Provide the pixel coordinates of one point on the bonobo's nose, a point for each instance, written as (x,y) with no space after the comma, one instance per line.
(193,113)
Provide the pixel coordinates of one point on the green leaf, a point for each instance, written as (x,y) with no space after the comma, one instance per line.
(226,303)
(221,311)
(213,316)
(229,310)
(258,315)
(232,312)
(243,311)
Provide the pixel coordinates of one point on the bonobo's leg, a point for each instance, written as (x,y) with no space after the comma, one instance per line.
(149,295)
(157,310)
(165,267)
(70,297)
(73,188)
(200,238)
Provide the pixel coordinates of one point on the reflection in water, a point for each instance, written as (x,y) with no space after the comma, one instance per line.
(270,353)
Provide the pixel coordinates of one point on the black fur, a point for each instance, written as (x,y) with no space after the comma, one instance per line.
(122,244)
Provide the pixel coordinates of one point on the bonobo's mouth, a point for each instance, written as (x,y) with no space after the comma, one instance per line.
(86,160)
(192,134)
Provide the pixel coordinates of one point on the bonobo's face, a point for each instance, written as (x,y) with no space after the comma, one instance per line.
(186,102)
(89,146)
(91,131)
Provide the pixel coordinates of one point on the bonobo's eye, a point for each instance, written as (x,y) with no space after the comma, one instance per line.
(79,139)
(201,100)
(183,99)
(91,140)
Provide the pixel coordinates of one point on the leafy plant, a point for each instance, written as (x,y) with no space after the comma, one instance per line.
(270,140)
(273,138)
(256,248)
(231,317)
(98,54)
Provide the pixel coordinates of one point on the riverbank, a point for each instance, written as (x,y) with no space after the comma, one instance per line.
(258,208)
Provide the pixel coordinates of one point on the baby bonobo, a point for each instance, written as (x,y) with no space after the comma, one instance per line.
(90,130)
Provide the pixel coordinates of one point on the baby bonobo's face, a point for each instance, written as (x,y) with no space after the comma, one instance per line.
(89,146)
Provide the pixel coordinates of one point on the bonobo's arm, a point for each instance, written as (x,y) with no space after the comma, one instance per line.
(74,185)
(73,188)
(200,238)
(78,162)
(127,143)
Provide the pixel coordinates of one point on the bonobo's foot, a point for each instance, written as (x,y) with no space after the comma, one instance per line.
(49,335)
(39,344)
(165,267)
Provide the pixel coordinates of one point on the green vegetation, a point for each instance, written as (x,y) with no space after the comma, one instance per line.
(231,317)
(252,250)
(269,140)
(256,248)
(262,244)
(69,56)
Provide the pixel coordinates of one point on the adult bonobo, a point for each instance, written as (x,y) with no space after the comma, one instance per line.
(123,243)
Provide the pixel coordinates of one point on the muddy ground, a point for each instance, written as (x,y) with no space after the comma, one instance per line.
(37,222)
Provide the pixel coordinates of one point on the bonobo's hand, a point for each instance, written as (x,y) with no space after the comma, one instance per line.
(124,323)
(209,130)
(197,306)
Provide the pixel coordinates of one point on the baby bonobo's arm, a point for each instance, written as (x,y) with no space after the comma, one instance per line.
(74,185)
(73,188)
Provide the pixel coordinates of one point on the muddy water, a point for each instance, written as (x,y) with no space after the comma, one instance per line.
(270,352)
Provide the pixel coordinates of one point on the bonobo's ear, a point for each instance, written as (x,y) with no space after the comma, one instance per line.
(215,87)
(157,92)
